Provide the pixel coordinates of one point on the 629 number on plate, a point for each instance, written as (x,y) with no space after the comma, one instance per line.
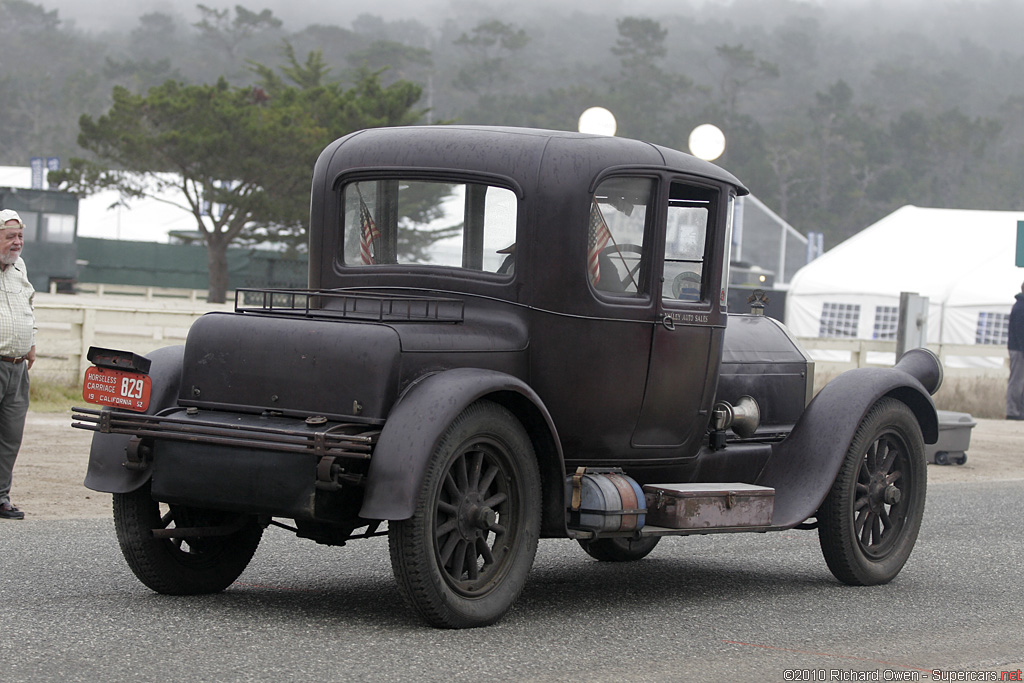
(117,388)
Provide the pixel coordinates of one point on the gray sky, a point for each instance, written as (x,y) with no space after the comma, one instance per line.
(297,14)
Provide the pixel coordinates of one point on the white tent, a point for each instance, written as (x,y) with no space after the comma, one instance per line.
(963,261)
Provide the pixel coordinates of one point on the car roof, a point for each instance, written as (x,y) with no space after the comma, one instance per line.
(529,157)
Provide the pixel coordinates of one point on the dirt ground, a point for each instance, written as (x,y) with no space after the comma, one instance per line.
(51,467)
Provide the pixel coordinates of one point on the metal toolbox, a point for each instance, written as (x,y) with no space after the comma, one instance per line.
(709,505)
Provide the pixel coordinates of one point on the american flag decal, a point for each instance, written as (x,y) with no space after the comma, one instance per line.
(598,236)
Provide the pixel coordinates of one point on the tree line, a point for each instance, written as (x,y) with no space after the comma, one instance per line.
(834,116)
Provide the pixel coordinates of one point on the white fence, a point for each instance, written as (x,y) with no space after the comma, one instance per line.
(832,356)
(131,319)
(142,319)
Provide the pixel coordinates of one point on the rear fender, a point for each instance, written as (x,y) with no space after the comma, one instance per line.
(803,467)
(106,457)
(417,422)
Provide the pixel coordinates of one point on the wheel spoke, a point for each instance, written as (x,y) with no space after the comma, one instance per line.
(861,502)
(859,520)
(451,487)
(893,477)
(876,528)
(455,568)
(472,568)
(485,551)
(890,458)
(865,534)
(446,528)
(461,473)
(871,462)
(488,477)
(476,465)
(447,508)
(497,499)
(166,519)
(448,548)
(886,520)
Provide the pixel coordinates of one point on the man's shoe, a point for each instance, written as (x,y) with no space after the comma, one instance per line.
(8,511)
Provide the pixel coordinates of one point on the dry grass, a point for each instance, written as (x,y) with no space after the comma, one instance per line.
(982,397)
(53,397)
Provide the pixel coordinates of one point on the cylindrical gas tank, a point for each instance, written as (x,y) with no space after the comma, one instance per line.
(604,499)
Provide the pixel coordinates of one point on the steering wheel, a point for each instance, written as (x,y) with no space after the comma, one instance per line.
(618,249)
(686,286)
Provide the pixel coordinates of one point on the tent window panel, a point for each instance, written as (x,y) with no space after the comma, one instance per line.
(887,321)
(839,320)
(993,328)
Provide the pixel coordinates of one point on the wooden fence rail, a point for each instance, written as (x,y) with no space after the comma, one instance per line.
(70,324)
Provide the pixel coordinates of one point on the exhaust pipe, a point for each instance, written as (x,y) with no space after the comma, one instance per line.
(924,366)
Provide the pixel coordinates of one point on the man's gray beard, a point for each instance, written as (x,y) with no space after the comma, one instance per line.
(9,259)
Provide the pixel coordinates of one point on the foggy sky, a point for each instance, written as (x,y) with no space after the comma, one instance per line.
(297,14)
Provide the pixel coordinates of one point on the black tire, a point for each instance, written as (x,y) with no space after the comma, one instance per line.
(462,559)
(619,549)
(869,521)
(176,566)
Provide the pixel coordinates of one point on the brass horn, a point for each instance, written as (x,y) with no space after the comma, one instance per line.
(743,418)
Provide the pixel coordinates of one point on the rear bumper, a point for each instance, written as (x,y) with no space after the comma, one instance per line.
(272,465)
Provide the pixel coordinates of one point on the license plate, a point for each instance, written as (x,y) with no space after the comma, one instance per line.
(117,388)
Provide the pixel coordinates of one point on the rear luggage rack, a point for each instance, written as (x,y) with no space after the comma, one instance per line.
(333,305)
(347,440)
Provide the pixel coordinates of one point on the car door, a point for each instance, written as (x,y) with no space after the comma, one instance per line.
(683,365)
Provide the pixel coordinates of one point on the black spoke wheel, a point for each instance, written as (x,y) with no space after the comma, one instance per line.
(869,521)
(461,560)
(619,549)
(187,565)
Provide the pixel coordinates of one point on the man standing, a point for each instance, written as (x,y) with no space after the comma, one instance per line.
(1015,344)
(17,351)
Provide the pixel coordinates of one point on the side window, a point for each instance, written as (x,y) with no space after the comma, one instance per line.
(413,222)
(686,242)
(615,245)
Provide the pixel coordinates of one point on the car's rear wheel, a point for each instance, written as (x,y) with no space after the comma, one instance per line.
(619,549)
(462,559)
(183,565)
(869,521)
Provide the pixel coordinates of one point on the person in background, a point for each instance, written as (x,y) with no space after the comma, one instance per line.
(17,351)
(1015,344)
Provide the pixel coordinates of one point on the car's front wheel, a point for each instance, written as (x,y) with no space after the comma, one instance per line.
(185,564)
(461,560)
(869,521)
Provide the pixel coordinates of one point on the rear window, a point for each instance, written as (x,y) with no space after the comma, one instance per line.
(427,223)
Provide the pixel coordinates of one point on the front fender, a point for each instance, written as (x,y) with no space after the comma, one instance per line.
(417,422)
(803,467)
(106,471)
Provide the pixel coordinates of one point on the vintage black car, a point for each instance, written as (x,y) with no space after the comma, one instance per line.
(508,334)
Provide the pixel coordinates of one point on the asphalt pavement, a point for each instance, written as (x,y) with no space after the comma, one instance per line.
(759,607)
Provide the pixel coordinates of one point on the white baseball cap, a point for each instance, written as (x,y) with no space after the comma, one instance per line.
(10,215)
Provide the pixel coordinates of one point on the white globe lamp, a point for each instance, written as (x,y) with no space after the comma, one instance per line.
(707,142)
(598,121)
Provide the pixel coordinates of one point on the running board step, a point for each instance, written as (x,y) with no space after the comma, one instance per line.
(708,506)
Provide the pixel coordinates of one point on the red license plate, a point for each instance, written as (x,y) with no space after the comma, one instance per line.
(117,388)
